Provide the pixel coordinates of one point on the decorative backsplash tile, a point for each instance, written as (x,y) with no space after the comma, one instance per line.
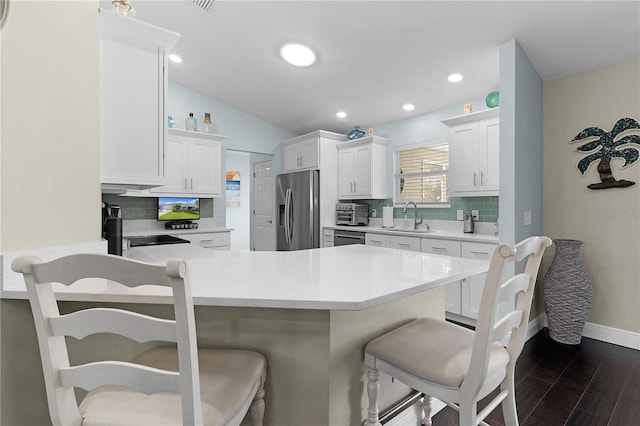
(487,207)
(139,208)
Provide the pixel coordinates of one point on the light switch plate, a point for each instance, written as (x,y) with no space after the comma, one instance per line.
(475,214)
(374,213)
(527,218)
(460,215)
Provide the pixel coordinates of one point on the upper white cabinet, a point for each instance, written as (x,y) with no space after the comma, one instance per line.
(193,164)
(474,153)
(133,87)
(362,168)
(301,154)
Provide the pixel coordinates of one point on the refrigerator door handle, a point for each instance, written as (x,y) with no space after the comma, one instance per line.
(286,216)
(291,219)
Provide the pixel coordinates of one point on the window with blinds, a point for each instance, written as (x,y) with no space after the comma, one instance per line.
(422,174)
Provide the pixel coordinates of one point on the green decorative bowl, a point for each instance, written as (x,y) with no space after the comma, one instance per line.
(493,99)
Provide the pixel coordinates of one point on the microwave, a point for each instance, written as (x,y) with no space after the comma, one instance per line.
(352,214)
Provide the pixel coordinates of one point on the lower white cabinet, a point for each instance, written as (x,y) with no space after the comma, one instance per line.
(378,240)
(471,288)
(209,240)
(452,298)
(405,243)
(327,237)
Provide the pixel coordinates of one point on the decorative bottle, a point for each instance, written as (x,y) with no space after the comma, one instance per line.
(191,123)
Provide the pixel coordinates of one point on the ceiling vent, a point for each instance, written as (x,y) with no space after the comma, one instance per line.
(202,4)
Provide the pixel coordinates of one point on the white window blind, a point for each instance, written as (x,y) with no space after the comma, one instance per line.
(422,174)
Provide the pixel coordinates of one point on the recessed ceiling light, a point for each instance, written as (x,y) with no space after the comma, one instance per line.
(455,78)
(175,58)
(297,54)
(341,114)
(408,107)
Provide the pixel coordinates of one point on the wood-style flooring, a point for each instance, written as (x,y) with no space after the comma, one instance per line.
(594,383)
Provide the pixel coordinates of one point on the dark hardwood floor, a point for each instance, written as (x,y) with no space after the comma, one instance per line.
(594,383)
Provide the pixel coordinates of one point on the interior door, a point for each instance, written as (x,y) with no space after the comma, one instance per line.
(262,236)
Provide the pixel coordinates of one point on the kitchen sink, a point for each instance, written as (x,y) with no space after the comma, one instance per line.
(413,231)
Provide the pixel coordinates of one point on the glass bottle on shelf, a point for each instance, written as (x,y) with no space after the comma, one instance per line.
(191,123)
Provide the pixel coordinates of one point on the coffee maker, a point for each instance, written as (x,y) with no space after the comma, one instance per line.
(112,228)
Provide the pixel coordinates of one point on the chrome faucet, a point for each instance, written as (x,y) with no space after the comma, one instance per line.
(416,222)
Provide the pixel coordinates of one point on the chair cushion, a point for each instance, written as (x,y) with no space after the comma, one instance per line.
(228,381)
(436,351)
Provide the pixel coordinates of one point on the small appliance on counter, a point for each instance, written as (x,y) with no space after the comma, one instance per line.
(112,228)
(352,214)
(468,223)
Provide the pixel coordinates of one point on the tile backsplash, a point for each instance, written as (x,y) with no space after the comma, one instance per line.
(487,207)
(139,208)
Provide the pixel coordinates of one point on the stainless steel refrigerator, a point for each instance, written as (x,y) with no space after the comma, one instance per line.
(298,210)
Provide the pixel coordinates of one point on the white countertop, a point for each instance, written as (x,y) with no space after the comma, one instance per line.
(354,277)
(435,233)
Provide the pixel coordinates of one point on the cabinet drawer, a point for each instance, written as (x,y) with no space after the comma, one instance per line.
(481,251)
(405,243)
(210,240)
(378,240)
(436,246)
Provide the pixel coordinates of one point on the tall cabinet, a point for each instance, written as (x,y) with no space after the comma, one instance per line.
(133,87)
(474,153)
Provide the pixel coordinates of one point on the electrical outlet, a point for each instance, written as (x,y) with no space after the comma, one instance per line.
(527,218)
(460,215)
(475,214)
(374,213)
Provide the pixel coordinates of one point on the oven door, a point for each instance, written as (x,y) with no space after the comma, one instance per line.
(344,238)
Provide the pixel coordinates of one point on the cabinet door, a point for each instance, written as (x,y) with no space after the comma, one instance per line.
(362,183)
(378,240)
(452,292)
(309,154)
(176,167)
(405,243)
(204,175)
(131,104)
(346,172)
(463,152)
(291,157)
(472,287)
(491,170)
(209,240)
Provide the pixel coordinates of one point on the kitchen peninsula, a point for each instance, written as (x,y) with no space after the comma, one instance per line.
(309,312)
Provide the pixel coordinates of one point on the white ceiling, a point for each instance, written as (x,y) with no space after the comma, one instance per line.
(374,56)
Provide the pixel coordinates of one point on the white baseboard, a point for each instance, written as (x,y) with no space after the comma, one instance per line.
(616,336)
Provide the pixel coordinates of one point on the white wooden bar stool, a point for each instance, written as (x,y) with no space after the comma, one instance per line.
(457,365)
(168,385)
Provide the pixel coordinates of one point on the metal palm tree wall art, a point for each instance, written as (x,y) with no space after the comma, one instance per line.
(608,147)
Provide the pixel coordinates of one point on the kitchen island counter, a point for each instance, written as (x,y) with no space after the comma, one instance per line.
(310,313)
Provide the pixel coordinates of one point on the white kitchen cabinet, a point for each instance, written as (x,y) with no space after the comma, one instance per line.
(453,291)
(474,153)
(133,87)
(378,240)
(405,243)
(319,145)
(362,169)
(209,240)
(302,153)
(327,237)
(471,288)
(193,164)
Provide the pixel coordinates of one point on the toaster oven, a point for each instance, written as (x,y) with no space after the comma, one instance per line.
(352,214)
